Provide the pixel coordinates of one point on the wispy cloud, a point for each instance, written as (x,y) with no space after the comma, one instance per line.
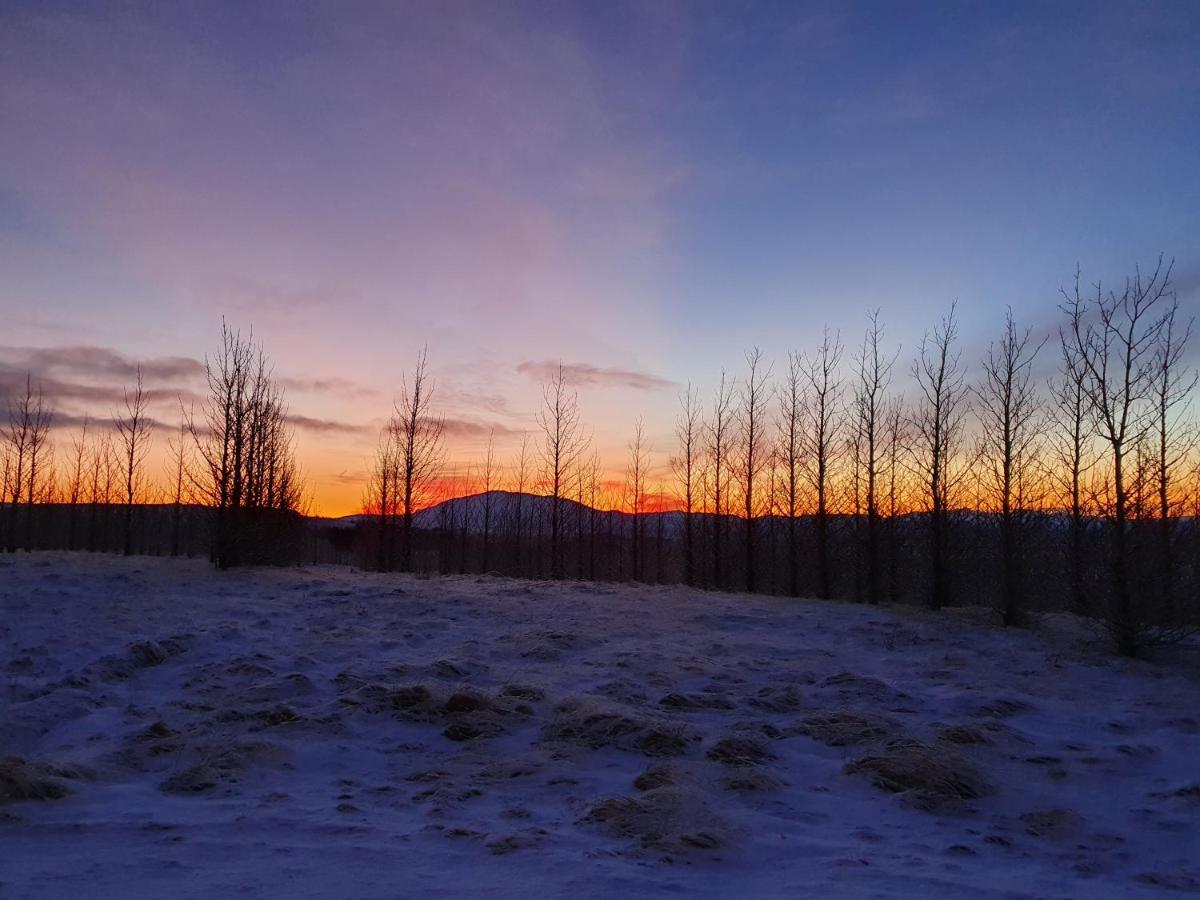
(90,361)
(66,421)
(475,429)
(89,395)
(587,374)
(334,385)
(327,426)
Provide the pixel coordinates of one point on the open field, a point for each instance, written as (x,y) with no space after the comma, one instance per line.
(170,729)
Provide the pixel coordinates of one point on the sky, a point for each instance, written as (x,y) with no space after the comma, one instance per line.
(642,191)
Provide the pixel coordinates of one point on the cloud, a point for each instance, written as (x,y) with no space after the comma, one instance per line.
(58,391)
(472,396)
(97,377)
(326,426)
(73,421)
(587,374)
(99,362)
(471,428)
(335,385)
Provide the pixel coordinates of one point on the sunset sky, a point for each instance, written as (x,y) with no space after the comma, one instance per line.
(642,191)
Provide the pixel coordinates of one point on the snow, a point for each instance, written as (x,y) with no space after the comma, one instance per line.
(285,733)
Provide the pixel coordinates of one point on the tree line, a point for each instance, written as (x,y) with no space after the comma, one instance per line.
(231,487)
(982,483)
(1075,491)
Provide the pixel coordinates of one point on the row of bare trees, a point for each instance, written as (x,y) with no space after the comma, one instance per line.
(833,480)
(235,457)
(787,475)
(409,458)
(246,467)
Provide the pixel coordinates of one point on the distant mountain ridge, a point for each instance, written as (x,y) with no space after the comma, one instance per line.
(505,504)
(504,507)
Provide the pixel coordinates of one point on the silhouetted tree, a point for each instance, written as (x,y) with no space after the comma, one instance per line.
(133,431)
(686,466)
(383,494)
(1008,411)
(179,463)
(593,481)
(1116,336)
(720,435)
(822,439)
(246,464)
(635,481)
(790,425)
(896,436)
(1171,386)
(521,483)
(76,479)
(419,448)
(752,421)
(101,469)
(489,486)
(872,378)
(938,427)
(1071,459)
(562,443)
(26,443)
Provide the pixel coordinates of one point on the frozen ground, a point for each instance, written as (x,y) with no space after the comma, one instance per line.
(323,732)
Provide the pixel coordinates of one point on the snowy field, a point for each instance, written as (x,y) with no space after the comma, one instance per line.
(168,730)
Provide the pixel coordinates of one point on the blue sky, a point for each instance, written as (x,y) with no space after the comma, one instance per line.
(641,187)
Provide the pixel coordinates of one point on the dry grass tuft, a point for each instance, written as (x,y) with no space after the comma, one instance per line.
(844,729)
(23,780)
(223,766)
(927,777)
(739,751)
(664,818)
(584,722)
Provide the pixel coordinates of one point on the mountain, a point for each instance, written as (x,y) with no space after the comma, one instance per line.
(504,506)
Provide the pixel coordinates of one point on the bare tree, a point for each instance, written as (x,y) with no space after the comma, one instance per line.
(635,479)
(383,492)
(896,437)
(76,479)
(1008,411)
(771,510)
(581,488)
(1070,442)
(179,463)
(873,374)
(26,438)
(1172,384)
(521,483)
(1117,336)
(489,499)
(41,463)
(593,479)
(791,436)
(562,443)
(466,519)
(686,468)
(420,449)
(133,431)
(752,423)
(6,472)
(100,470)
(938,426)
(246,462)
(821,443)
(660,535)
(719,437)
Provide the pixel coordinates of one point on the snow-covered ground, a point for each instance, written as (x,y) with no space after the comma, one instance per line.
(325,732)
